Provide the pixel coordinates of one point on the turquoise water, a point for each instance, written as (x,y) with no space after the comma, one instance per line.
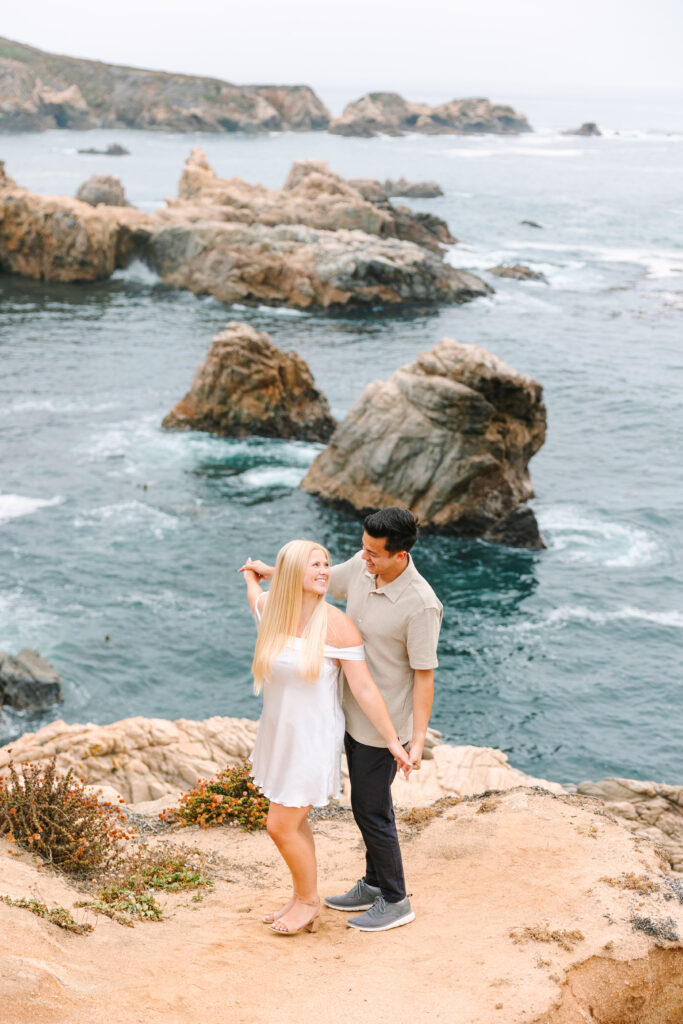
(119,543)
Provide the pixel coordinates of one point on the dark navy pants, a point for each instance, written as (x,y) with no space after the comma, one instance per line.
(372,770)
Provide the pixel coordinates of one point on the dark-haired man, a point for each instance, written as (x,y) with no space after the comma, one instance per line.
(399,617)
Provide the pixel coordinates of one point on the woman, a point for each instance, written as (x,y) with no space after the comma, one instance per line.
(302,643)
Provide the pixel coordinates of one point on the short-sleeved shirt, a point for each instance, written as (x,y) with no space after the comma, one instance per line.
(400,625)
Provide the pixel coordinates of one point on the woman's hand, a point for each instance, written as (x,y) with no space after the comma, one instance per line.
(402,759)
(260,570)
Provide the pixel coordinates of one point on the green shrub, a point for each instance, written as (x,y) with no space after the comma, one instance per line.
(56,915)
(229,797)
(55,817)
(134,880)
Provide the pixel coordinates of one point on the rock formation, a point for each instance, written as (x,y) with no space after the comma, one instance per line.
(413,189)
(317,242)
(40,90)
(389,114)
(587,128)
(28,681)
(248,386)
(448,436)
(113,149)
(102,190)
(648,809)
(518,272)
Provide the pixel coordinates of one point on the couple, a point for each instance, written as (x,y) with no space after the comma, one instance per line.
(386,646)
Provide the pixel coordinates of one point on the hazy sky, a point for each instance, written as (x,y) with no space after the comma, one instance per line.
(451,47)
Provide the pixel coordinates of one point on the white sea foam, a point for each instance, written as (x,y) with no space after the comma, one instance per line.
(657,262)
(53,405)
(577,537)
(578,613)
(138,272)
(127,513)
(271,476)
(14,506)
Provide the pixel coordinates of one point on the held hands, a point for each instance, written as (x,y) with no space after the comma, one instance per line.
(260,570)
(402,759)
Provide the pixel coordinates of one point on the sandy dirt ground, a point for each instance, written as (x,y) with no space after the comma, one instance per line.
(492,879)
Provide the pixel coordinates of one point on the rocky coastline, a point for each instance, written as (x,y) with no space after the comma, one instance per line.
(388,113)
(316,243)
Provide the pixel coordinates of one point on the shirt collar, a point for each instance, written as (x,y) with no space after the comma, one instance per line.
(394,589)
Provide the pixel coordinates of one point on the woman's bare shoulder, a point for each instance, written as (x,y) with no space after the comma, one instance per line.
(341,631)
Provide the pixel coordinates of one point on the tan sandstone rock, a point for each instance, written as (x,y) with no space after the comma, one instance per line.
(649,809)
(448,436)
(248,386)
(102,190)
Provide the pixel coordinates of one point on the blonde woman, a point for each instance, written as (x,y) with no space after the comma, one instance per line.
(302,643)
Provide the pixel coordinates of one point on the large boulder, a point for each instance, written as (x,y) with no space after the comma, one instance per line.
(28,681)
(588,128)
(102,190)
(248,386)
(518,272)
(55,238)
(389,114)
(450,437)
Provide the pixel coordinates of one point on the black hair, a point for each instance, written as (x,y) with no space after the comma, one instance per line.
(397,527)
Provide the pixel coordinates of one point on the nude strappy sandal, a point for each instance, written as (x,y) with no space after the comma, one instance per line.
(308,926)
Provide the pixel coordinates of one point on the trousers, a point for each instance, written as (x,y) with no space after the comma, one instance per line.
(371,772)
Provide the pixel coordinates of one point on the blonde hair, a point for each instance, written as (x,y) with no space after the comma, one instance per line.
(282,613)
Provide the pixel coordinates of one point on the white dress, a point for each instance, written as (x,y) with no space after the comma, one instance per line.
(296,760)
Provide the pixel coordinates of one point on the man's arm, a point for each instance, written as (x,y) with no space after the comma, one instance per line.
(260,569)
(423,698)
(340,575)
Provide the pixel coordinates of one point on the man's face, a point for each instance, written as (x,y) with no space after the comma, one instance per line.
(377,559)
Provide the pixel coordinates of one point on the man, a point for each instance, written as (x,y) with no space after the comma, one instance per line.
(399,617)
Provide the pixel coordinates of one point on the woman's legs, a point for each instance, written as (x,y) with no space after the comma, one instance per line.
(291,833)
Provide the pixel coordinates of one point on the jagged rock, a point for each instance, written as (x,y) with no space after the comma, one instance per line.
(649,809)
(518,272)
(390,114)
(113,149)
(40,90)
(248,386)
(587,128)
(414,189)
(314,243)
(102,190)
(55,238)
(448,436)
(28,681)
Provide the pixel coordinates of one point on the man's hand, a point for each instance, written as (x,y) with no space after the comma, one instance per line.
(415,752)
(260,569)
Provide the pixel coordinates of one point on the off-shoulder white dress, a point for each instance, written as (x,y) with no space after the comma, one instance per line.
(296,760)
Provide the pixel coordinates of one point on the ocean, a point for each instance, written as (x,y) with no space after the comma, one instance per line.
(120,542)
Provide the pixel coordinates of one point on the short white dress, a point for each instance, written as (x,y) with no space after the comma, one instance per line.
(296,760)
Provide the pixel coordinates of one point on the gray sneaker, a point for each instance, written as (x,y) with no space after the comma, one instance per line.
(382,916)
(360,896)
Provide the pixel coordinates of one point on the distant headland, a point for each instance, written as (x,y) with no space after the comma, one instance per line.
(40,91)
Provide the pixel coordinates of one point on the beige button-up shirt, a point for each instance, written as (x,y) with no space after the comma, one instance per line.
(400,625)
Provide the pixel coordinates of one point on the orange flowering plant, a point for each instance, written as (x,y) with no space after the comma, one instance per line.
(231,796)
(57,818)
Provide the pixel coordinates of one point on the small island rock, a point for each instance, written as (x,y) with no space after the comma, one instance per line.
(413,189)
(518,272)
(28,681)
(113,149)
(102,190)
(248,386)
(587,128)
(389,114)
(448,436)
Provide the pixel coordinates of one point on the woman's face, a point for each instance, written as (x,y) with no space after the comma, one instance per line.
(317,573)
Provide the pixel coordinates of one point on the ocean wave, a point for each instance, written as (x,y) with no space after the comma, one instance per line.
(54,405)
(514,151)
(127,513)
(138,272)
(14,506)
(577,537)
(579,613)
(271,476)
(657,263)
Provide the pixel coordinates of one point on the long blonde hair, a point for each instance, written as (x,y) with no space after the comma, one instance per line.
(282,613)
